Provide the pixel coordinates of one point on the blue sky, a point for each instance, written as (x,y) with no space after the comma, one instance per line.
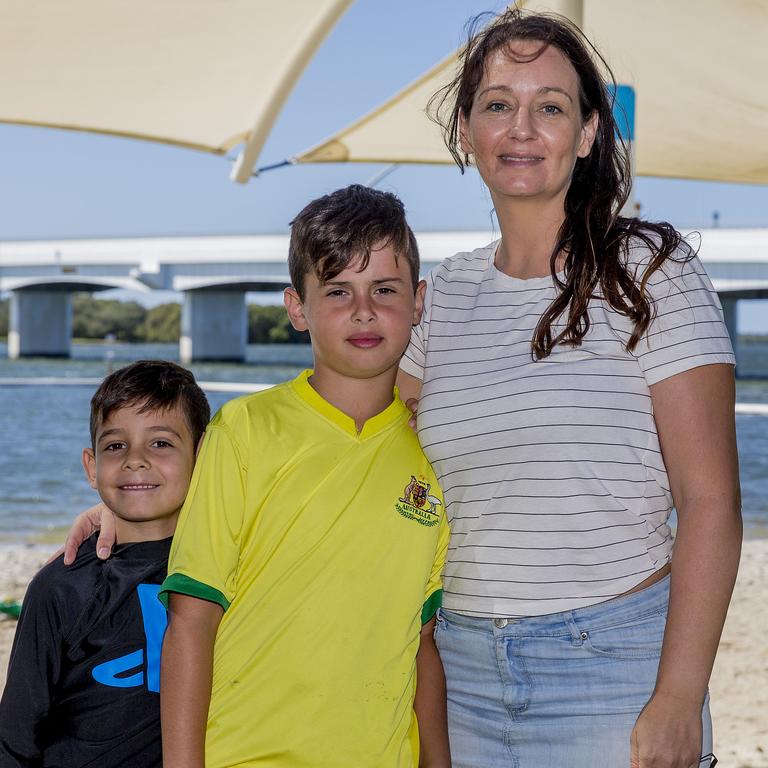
(59,184)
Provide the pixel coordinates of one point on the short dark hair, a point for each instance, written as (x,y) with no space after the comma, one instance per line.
(336,229)
(155,385)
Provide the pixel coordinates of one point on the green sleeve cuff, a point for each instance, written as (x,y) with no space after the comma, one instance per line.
(185,585)
(433,602)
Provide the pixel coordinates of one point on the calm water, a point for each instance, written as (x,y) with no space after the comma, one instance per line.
(43,429)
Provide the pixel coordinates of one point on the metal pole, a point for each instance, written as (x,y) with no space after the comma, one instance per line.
(571,9)
(381,175)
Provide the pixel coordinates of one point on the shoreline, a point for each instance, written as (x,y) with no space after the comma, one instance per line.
(739,684)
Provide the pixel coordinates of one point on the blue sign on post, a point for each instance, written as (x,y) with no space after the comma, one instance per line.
(624,110)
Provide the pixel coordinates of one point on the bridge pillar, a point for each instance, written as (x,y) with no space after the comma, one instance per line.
(730,314)
(214,326)
(40,323)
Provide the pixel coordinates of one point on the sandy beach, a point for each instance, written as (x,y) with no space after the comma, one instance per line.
(739,686)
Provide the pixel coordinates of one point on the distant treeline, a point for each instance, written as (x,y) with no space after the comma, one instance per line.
(129,321)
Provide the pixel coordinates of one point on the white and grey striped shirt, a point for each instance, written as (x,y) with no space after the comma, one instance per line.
(552,473)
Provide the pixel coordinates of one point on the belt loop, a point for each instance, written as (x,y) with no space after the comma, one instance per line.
(577,636)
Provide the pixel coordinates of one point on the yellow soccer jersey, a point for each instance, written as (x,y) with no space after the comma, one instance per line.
(325,548)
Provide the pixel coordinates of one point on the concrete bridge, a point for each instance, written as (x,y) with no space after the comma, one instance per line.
(213,275)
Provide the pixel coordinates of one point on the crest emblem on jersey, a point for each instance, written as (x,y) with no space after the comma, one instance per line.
(417,503)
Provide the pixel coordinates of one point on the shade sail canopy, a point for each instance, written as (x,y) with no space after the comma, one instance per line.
(206,74)
(698,68)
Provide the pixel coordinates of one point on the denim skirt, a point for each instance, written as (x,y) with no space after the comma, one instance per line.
(562,690)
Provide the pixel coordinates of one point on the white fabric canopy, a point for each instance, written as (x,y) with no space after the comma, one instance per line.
(206,74)
(698,68)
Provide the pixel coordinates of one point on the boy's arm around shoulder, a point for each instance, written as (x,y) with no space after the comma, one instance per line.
(186,676)
(430,703)
(35,666)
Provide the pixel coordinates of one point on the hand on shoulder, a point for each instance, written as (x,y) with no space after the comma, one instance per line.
(98,518)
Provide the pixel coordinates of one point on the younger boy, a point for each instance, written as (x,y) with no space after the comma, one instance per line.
(305,572)
(84,672)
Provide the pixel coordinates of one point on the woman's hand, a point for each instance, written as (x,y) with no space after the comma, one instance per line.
(409,388)
(97,518)
(667,734)
(413,406)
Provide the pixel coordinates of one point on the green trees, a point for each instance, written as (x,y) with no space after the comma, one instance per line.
(162,323)
(270,325)
(97,318)
(129,321)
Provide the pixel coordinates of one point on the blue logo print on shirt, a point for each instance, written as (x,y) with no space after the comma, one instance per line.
(155,621)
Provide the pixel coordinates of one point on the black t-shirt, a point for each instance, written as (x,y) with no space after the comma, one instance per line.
(84,675)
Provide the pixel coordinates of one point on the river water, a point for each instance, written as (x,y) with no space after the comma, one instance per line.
(43,429)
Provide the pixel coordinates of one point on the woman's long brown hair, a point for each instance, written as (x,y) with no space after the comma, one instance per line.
(594,238)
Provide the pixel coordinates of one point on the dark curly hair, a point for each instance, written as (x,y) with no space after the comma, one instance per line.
(594,238)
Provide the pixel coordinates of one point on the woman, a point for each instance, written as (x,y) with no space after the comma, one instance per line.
(574,379)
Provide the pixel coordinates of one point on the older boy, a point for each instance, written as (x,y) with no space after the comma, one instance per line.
(84,673)
(305,572)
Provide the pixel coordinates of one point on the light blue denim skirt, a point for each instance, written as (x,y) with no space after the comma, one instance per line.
(562,690)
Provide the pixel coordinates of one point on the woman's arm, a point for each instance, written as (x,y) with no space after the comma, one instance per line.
(430,703)
(409,386)
(410,392)
(694,414)
(186,675)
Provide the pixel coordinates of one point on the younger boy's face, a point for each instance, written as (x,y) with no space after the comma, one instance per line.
(141,468)
(360,322)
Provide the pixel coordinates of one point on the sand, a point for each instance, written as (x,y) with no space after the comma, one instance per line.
(739,686)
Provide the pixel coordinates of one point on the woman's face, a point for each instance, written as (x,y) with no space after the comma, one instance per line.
(525,129)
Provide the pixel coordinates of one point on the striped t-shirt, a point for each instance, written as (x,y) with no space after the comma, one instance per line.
(552,474)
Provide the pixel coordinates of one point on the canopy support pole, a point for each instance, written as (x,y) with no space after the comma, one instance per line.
(573,10)
(381,175)
(246,160)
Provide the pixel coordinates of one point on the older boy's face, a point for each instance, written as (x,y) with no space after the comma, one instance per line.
(360,322)
(141,468)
